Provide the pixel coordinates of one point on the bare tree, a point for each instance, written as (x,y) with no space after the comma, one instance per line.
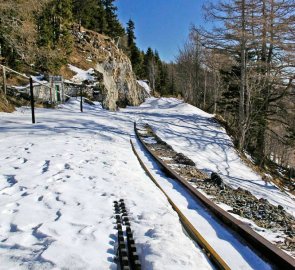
(257,36)
(18,28)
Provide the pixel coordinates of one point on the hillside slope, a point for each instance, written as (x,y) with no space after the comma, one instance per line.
(117,82)
(197,134)
(113,79)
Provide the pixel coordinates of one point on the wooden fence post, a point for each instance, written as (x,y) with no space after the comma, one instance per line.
(32,100)
(81,101)
(4,80)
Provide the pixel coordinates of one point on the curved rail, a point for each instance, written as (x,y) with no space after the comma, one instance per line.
(194,234)
(269,251)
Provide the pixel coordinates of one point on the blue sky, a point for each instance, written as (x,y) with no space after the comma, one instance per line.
(161,24)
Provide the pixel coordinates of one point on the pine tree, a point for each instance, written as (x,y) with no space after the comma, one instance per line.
(54,38)
(90,14)
(150,68)
(114,27)
(161,76)
(130,33)
(148,58)
(54,23)
(134,53)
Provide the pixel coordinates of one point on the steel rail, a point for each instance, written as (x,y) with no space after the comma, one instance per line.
(266,249)
(191,230)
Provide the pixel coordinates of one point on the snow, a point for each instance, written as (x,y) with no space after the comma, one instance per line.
(235,253)
(81,75)
(59,178)
(58,181)
(145,86)
(197,135)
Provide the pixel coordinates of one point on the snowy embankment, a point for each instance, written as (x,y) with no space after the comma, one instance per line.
(236,254)
(59,178)
(197,135)
(58,181)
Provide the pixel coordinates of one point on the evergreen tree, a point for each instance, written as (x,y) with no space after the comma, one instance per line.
(54,38)
(90,14)
(114,27)
(150,67)
(148,58)
(134,53)
(54,23)
(161,76)
(130,33)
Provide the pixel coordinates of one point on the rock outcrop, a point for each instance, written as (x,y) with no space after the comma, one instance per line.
(118,86)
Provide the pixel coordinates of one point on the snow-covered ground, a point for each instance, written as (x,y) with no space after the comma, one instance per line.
(235,253)
(58,181)
(194,133)
(59,178)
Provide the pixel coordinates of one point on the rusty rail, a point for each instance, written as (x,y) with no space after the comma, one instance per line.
(266,249)
(190,229)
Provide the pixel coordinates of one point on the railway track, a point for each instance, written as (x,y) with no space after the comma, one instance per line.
(251,245)
(127,257)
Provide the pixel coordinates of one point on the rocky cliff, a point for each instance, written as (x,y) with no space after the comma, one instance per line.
(117,83)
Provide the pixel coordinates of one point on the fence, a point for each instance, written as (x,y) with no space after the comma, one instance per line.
(54,91)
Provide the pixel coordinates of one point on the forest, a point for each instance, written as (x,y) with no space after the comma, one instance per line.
(243,70)
(38,33)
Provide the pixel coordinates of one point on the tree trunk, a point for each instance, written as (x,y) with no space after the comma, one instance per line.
(4,80)
(205,88)
(243,80)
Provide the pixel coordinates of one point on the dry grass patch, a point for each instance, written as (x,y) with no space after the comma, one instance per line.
(5,104)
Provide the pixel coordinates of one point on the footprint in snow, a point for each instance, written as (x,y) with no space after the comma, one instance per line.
(47,205)
(37,233)
(57,198)
(14,228)
(106,164)
(22,188)
(10,180)
(67,166)
(22,160)
(58,215)
(45,166)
